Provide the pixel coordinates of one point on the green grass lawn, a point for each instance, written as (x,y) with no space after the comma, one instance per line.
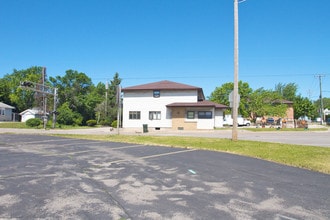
(307,157)
(13,125)
(49,125)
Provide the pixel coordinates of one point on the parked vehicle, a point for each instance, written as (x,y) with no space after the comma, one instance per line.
(270,121)
(228,120)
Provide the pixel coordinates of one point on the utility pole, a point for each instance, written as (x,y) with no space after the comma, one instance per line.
(44,90)
(44,98)
(118,100)
(54,108)
(235,92)
(321,98)
(106,100)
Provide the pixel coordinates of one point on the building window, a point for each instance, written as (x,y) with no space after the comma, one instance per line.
(134,115)
(190,114)
(205,114)
(154,115)
(156,93)
(2,111)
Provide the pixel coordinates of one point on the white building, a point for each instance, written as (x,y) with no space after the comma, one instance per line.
(30,113)
(6,112)
(169,105)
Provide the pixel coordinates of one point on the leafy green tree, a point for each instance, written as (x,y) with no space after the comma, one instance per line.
(266,103)
(287,91)
(326,103)
(113,109)
(5,91)
(221,95)
(75,89)
(11,92)
(303,107)
(67,116)
(106,110)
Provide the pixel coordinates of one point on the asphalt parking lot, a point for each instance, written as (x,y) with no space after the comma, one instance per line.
(54,177)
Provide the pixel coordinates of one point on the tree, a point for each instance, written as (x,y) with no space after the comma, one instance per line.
(266,103)
(221,95)
(75,90)
(67,116)
(287,91)
(303,107)
(5,91)
(107,110)
(13,95)
(113,107)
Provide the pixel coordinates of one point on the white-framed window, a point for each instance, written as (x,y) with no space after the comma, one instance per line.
(190,114)
(156,93)
(134,115)
(2,111)
(155,115)
(204,114)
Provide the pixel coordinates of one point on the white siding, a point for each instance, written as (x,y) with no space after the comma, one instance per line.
(144,102)
(218,118)
(205,123)
(27,116)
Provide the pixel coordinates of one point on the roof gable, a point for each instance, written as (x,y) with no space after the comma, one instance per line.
(3,105)
(30,111)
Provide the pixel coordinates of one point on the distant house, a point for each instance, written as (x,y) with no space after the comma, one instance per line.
(170,105)
(30,113)
(6,112)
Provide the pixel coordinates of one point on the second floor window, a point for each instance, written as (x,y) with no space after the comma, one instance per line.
(156,93)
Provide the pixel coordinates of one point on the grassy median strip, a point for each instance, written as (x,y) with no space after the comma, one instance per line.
(307,157)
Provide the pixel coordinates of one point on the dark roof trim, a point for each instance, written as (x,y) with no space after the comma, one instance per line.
(204,103)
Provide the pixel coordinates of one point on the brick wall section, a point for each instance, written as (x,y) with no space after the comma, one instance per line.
(178,120)
(289,111)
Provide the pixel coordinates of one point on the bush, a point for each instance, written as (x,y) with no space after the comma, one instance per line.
(91,123)
(114,124)
(105,122)
(33,122)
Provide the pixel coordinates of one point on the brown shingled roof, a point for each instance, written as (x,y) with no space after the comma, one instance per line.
(166,85)
(163,85)
(204,103)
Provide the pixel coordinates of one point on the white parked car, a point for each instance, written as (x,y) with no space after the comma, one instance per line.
(240,121)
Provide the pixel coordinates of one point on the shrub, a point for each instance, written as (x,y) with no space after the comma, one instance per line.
(114,124)
(33,122)
(91,123)
(105,122)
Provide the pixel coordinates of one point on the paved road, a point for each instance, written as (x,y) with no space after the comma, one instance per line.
(54,177)
(308,137)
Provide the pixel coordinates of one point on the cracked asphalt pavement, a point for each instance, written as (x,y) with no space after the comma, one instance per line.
(48,177)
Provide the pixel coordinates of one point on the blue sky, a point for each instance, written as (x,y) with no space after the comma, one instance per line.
(186,41)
